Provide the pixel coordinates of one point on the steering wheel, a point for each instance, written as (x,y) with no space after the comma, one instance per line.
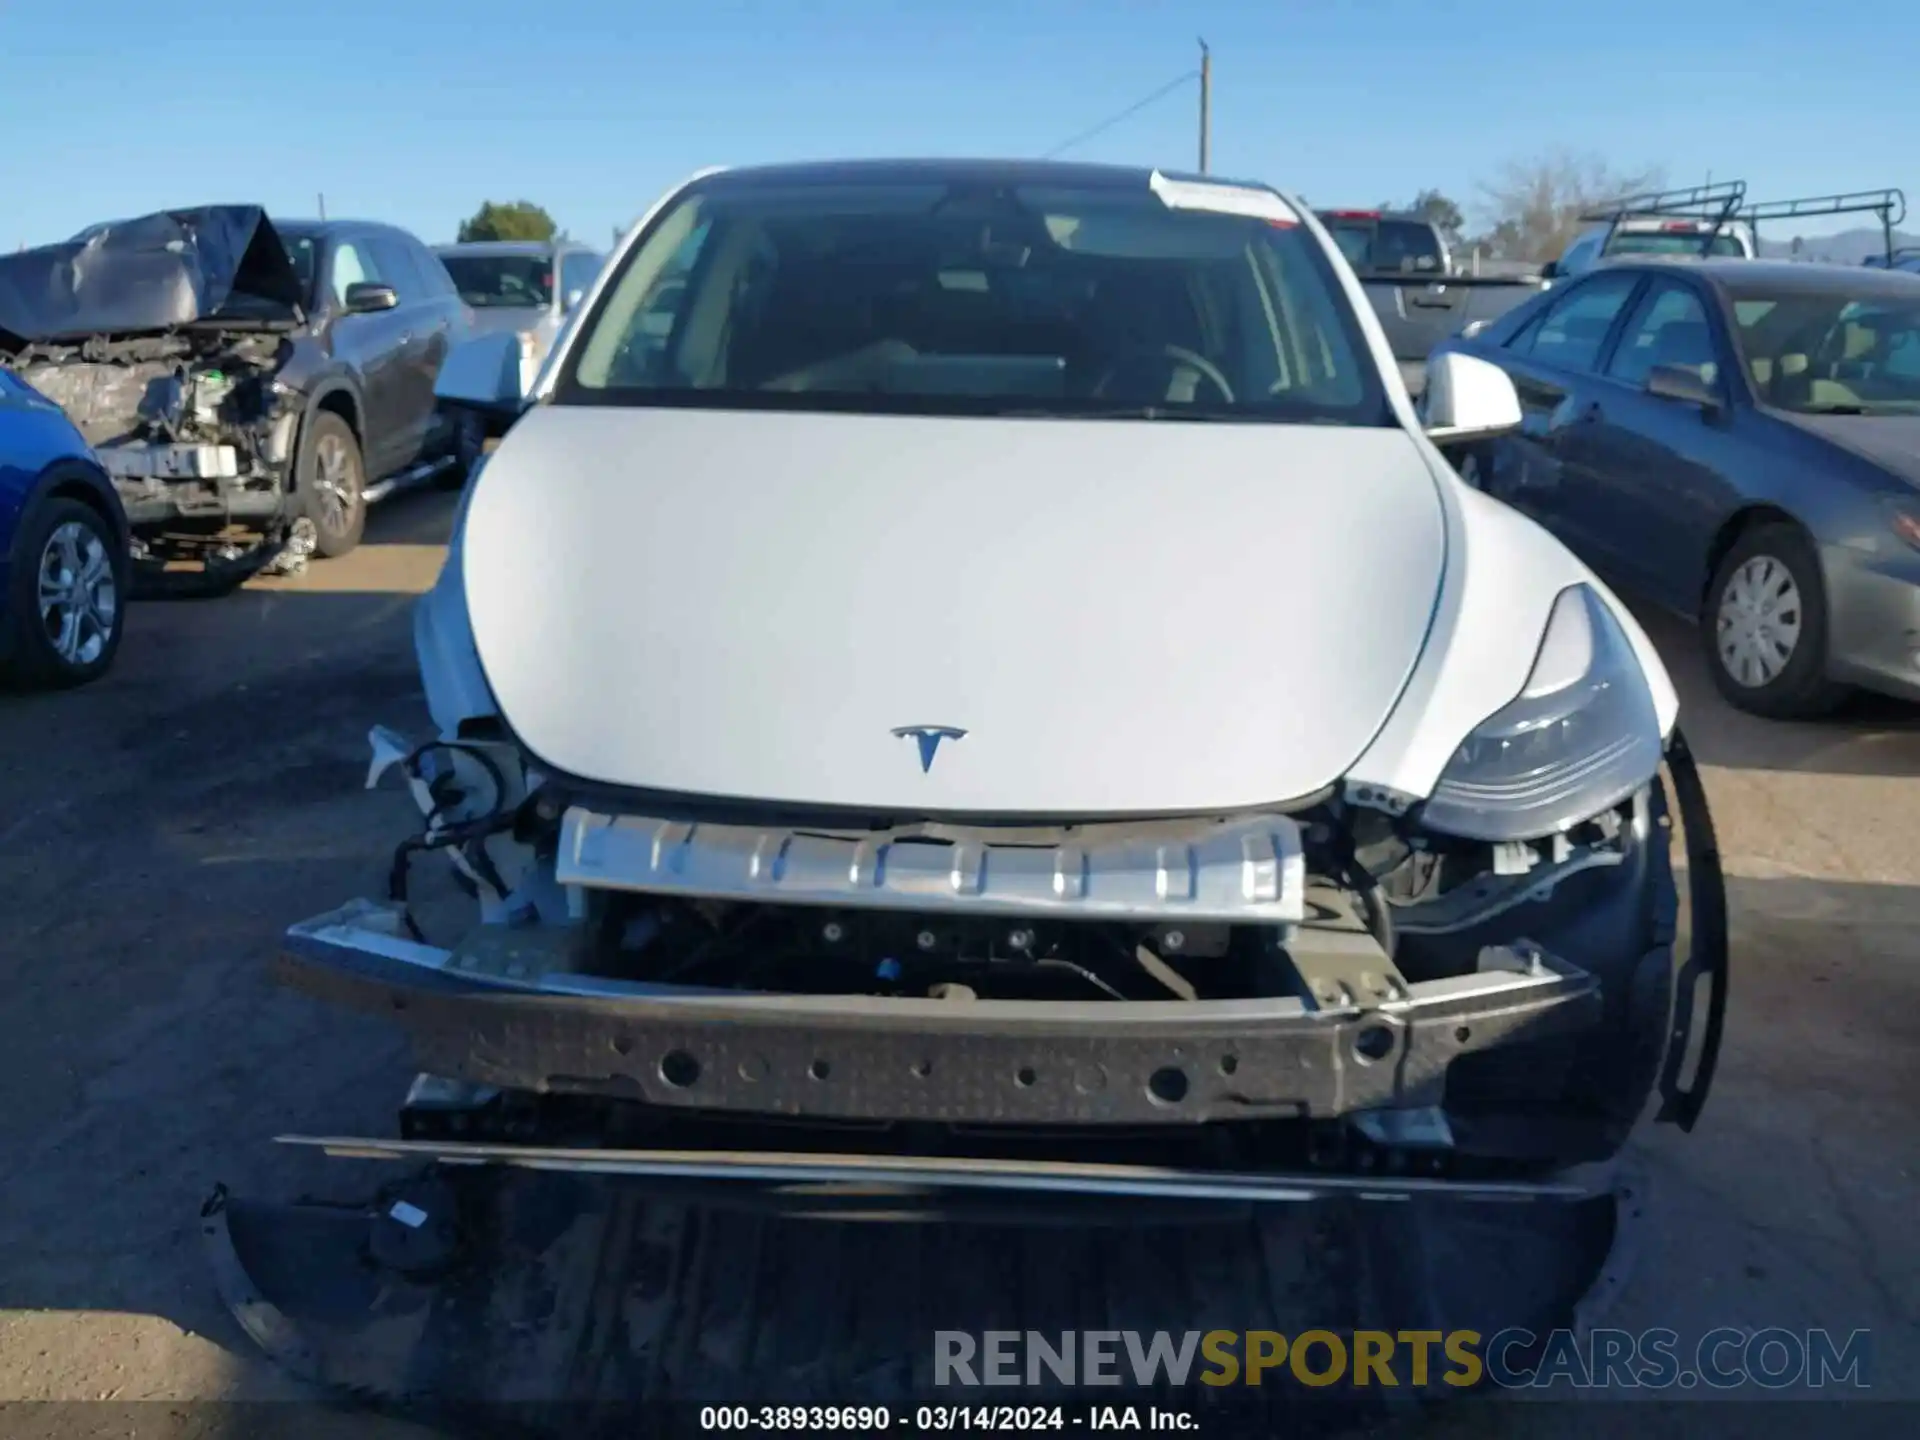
(1182,358)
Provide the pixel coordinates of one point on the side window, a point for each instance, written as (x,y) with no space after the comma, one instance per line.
(427,265)
(1668,327)
(397,269)
(1579,256)
(1522,340)
(351,264)
(1903,355)
(1572,331)
(577,269)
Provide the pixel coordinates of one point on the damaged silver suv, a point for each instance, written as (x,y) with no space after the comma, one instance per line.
(240,385)
(977,671)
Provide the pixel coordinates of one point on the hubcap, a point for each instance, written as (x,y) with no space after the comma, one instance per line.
(78,598)
(336,486)
(1759,621)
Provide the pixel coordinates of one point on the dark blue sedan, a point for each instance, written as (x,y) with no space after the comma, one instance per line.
(1738,441)
(63,547)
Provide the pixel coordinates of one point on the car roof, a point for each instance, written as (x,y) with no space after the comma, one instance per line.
(508,247)
(1071,173)
(312,228)
(1768,278)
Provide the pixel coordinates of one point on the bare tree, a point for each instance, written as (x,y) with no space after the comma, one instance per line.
(1532,209)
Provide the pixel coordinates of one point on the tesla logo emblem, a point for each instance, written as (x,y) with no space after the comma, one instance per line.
(928,738)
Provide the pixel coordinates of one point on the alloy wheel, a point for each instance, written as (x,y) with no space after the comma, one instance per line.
(79,597)
(336,486)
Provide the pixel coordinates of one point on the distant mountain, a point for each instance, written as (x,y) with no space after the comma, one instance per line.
(1848,247)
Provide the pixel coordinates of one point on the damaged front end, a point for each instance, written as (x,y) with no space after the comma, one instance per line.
(706,1073)
(1328,991)
(163,339)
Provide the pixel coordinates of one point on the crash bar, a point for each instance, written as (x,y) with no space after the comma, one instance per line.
(961,1172)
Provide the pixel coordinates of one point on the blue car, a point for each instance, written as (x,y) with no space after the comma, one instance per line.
(1737,441)
(63,547)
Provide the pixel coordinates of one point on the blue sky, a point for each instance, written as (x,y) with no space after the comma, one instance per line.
(416,110)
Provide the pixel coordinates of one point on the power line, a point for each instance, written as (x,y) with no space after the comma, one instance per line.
(1126,114)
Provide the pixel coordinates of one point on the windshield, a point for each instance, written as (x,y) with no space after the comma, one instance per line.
(888,296)
(1672,242)
(1401,246)
(1832,354)
(518,281)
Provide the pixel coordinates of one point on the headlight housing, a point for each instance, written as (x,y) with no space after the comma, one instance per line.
(1581,736)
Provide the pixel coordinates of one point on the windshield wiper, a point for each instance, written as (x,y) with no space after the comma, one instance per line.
(1839,407)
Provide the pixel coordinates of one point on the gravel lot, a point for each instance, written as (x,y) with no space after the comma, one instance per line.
(158,830)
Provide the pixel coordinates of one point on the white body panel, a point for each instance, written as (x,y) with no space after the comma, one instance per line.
(1126,617)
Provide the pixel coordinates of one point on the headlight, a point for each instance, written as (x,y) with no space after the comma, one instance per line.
(1582,736)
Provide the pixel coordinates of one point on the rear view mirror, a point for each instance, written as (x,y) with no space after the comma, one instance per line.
(1676,382)
(574,297)
(483,374)
(1468,399)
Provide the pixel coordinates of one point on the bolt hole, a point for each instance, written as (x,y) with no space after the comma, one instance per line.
(922,1069)
(819,1070)
(1373,1043)
(623,1044)
(1168,1085)
(679,1069)
(1463,1033)
(1025,1076)
(1229,1064)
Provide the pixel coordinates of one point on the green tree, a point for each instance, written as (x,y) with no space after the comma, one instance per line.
(1441,213)
(518,220)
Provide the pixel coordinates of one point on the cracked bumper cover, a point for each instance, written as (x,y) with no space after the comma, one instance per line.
(866,1058)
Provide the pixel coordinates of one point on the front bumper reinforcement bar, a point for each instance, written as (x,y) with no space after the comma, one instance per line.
(1357,1036)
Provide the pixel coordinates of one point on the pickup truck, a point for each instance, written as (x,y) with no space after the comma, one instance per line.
(1415,286)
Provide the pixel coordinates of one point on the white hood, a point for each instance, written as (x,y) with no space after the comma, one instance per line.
(1123,617)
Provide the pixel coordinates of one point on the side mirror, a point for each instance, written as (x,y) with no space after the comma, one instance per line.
(483,375)
(1550,270)
(1676,382)
(365,297)
(1468,399)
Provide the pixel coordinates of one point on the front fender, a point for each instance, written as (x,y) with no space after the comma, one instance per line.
(1503,574)
(456,687)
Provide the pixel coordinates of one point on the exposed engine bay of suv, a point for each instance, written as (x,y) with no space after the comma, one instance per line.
(185,423)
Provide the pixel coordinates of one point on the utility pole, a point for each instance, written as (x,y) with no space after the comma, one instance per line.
(322,197)
(1206,99)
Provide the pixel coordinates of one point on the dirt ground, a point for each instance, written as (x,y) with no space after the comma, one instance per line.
(157,831)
